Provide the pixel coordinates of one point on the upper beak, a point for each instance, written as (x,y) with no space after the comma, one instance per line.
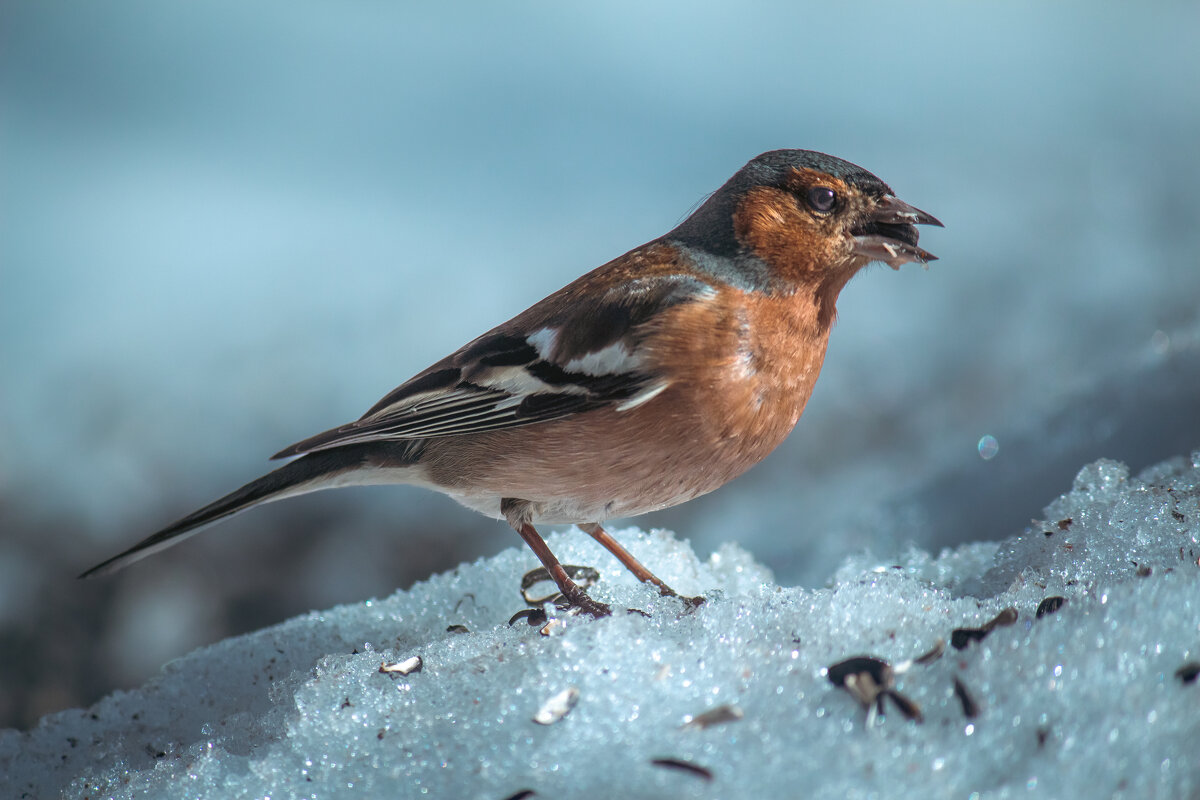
(889,233)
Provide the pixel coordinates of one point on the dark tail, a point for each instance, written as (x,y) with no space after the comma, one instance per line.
(306,474)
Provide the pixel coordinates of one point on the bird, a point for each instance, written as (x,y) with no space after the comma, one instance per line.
(647,382)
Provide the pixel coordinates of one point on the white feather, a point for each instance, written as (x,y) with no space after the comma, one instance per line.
(644,396)
(616,359)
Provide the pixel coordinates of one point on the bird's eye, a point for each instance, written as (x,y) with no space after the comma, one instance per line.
(822,199)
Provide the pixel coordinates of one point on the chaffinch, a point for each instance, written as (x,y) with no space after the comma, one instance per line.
(647,382)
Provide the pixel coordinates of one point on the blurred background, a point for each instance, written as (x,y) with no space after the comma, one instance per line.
(225,226)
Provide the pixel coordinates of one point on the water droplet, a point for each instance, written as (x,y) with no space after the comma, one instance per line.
(988,447)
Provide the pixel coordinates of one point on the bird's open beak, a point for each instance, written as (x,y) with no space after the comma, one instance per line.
(889,233)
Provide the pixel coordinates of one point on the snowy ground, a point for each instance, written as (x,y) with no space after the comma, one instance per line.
(1088,690)
(225,226)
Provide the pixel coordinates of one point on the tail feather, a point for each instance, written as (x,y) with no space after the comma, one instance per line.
(306,474)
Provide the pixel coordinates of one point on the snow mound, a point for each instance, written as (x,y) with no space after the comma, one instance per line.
(1059,663)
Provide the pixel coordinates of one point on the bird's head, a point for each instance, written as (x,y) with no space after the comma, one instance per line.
(808,217)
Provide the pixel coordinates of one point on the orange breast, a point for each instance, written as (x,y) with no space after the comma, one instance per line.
(741,369)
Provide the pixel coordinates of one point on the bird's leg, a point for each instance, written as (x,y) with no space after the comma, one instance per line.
(517,513)
(639,570)
(573,592)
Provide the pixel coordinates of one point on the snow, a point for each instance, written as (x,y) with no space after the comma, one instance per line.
(1093,697)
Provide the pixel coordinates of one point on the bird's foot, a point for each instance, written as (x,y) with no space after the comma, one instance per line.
(579,602)
(571,599)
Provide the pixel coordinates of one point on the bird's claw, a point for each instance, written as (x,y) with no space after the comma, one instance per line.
(580,603)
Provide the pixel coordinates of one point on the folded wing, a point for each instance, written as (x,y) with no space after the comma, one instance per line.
(556,359)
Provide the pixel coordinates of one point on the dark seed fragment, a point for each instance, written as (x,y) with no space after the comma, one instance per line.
(1049,606)
(1188,672)
(879,670)
(534,616)
(864,677)
(684,766)
(969,706)
(907,707)
(869,680)
(961,637)
(1002,620)
(714,716)
(521,795)
(934,653)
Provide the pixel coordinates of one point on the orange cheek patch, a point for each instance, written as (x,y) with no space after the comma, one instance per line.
(795,243)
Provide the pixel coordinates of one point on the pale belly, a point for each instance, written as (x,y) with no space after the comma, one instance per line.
(603,464)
